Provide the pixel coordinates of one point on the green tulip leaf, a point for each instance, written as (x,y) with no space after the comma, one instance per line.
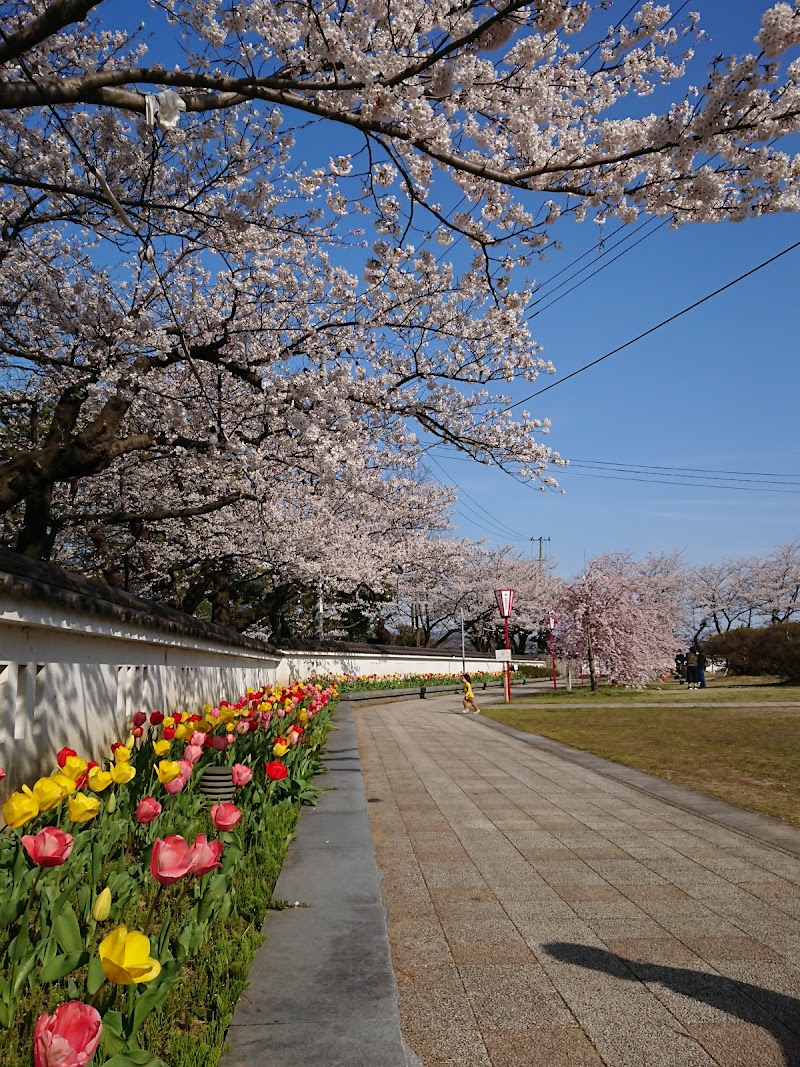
(96,976)
(148,1001)
(66,927)
(62,966)
(137,1058)
(113,1039)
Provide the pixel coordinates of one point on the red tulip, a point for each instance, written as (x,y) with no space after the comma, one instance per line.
(156,718)
(147,809)
(169,733)
(169,860)
(139,719)
(275,770)
(49,848)
(241,774)
(219,743)
(204,855)
(177,715)
(68,1037)
(137,731)
(114,746)
(225,816)
(64,754)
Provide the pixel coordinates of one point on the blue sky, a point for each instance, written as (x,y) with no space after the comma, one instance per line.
(716,390)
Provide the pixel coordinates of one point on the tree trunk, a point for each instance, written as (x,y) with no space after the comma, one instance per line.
(592,662)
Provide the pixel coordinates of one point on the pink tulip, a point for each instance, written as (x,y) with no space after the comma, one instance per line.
(242,726)
(204,855)
(49,848)
(280,713)
(192,753)
(241,774)
(214,713)
(186,767)
(230,738)
(198,739)
(2,773)
(68,1037)
(176,785)
(169,860)
(147,809)
(225,816)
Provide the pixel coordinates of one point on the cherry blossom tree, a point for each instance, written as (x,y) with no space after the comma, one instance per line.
(195,315)
(619,618)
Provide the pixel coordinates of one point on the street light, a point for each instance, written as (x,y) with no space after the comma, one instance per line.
(505,602)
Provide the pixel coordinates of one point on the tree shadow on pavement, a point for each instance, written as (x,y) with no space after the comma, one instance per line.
(776,1013)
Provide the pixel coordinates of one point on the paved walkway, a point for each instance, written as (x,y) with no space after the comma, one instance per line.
(544,914)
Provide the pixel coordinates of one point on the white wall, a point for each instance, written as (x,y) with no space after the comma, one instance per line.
(72,677)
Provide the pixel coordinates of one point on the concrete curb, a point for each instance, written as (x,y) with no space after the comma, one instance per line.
(763,828)
(322,988)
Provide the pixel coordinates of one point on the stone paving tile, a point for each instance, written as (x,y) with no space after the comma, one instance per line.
(492,952)
(543,1047)
(739,1045)
(451,1047)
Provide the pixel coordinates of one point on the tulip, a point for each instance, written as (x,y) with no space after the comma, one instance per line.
(147,809)
(63,755)
(122,773)
(156,718)
(139,718)
(2,773)
(214,713)
(192,753)
(82,808)
(51,791)
(20,808)
(219,743)
(67,1038)
(169,860)
(241,774)
(204,855)
(176,785)
(137,731)
(99,780)
(73,767)
(168,770)
(177,715)
(49,848)
(161,748)
(183,731)
(122,754)
(101,909)
(169,733)
(280,748)
(225,816)
(198,739)
(125,957)
(111,803)
(275,770)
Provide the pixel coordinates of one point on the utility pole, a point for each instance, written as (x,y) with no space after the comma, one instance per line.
(541,541)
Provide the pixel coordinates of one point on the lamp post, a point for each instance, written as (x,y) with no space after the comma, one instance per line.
(505,602)
(463,654)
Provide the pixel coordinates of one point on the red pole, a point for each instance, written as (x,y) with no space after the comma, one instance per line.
(508,664)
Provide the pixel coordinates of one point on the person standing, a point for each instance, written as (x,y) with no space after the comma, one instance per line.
(701,669)
(680,666)
(468,697)
(691,668)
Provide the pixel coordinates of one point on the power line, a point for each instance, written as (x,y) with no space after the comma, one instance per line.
(501,526)
(687,472)
(653,329)
(696,485)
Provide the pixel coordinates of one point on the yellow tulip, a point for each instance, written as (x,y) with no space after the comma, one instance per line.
(99,780)
(125,957)
(82,808)
(168,770)
(20,808)
(122,773)
(161,748)
(227,715)
(168,721)
(122,754)
(51,791)
(183,731)
(130,741)
(74,767)
(279,750)
(102,906)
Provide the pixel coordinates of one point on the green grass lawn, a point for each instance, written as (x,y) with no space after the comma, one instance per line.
(747,755)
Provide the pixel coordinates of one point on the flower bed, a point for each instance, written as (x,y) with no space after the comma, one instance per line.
(117,879)
(354,683)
